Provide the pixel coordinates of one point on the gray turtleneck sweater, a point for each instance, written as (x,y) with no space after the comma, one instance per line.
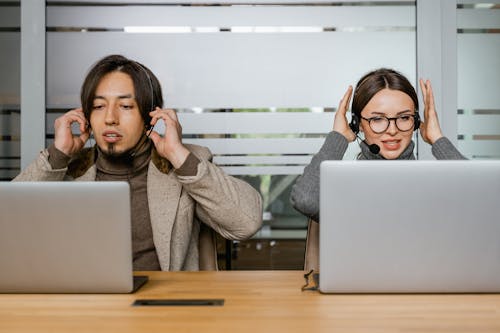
(305,191)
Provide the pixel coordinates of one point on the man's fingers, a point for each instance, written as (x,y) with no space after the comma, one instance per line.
(84,137)
(169,116)
(71,117)
(172,114)
(155,137)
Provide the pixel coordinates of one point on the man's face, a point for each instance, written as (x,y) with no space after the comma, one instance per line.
(115,118)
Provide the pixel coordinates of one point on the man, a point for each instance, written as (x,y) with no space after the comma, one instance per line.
(174,186)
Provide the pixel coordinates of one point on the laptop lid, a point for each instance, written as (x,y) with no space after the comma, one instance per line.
(409,226)
(65,237)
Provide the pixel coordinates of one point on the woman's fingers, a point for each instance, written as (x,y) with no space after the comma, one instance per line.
(345,101)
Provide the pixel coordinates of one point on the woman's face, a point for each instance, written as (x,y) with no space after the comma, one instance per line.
(388,103)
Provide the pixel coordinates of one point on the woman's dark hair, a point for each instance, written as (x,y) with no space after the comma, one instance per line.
(379,79)
(146,86)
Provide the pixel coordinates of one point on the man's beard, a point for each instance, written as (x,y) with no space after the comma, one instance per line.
(111,149)
(129,153)
(111,152)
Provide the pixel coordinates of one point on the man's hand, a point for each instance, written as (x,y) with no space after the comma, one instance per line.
(64,139)
(170,145)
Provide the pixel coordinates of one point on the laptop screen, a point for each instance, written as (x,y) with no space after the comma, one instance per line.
(65,237)
(410,226)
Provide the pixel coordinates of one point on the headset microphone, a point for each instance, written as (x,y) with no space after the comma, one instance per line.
(374,148)
(150,129)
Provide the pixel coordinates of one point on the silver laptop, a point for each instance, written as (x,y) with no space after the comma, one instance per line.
(65,237)
(409,226)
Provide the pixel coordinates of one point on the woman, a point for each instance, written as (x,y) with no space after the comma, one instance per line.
(385,109)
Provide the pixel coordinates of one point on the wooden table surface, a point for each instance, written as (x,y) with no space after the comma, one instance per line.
(255,301)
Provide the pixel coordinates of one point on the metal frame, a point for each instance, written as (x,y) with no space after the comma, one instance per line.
(437,61)
(32,79)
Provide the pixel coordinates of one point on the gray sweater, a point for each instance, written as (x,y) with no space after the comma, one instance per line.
(305,191)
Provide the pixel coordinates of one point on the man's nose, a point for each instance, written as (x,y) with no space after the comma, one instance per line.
(111,117)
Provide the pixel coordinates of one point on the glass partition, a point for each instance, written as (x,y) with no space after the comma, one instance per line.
(258,83)
(478,44)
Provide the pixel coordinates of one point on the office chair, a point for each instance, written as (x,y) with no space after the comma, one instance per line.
(311,257)
(207,249)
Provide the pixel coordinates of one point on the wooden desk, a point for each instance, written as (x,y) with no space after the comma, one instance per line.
(255,301)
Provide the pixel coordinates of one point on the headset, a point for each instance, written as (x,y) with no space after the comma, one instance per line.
(150,81)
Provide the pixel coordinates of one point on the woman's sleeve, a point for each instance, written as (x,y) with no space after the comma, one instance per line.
(443,149)
(305,192)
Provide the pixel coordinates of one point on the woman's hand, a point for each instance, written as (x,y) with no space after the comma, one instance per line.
(64,140)
(170,145)
(340,123)
(429,127)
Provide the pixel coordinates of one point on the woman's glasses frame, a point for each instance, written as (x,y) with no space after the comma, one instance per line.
(404,122)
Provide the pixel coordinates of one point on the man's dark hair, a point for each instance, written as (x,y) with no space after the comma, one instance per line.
(379,79)
(146,86)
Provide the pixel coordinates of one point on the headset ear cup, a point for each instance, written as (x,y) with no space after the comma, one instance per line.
(354,125)
(416,126)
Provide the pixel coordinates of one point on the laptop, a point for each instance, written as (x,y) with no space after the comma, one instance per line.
(66,237)
(409,227)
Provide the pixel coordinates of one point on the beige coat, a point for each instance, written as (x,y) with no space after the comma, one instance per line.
(176,203)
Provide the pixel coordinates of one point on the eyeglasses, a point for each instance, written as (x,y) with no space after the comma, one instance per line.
(380,124)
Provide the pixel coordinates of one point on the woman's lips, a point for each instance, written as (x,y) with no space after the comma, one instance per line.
(391,144)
